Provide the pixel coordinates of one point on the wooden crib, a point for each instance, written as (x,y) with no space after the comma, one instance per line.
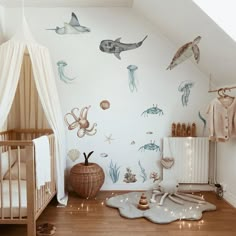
(20,200)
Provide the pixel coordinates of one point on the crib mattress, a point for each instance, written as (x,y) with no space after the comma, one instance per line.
(15,198)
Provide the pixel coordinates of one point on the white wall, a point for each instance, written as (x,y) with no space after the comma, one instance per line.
(102,76)
(226,174)
(2,23)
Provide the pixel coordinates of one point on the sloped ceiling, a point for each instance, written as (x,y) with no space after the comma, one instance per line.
(67,3)
(181,21)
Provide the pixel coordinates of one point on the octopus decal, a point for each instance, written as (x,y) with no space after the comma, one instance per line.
(61,66)
(132,79)
(184,88)
(73,120)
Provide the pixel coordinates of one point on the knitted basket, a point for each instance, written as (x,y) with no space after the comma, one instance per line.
(86,180)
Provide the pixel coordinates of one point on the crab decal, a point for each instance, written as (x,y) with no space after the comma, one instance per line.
(73,120)
(150,146)
(154,110)
(170,189)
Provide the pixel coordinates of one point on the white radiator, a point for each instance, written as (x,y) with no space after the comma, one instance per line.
(191,159)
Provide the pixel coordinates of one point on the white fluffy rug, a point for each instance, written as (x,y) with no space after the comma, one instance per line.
(169,212)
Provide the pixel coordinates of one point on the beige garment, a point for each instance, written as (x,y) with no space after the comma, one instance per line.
(222,119)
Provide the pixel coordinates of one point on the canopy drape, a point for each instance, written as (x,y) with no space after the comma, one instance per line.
(11,58)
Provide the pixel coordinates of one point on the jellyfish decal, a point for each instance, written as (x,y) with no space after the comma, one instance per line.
(132,79)
(184,88)
(61,66)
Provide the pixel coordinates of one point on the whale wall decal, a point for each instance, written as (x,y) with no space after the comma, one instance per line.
(116,47)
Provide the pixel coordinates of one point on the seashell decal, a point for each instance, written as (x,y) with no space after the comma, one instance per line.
(73,154)
(105,104)
(167,162)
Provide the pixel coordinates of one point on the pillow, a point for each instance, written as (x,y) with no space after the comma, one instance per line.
(14,172)
(4,158)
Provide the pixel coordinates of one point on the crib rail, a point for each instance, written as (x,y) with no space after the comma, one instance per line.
(19,146)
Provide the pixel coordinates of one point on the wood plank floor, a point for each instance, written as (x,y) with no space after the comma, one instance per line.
(92,218)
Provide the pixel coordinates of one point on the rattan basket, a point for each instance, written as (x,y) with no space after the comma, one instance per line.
(86,180)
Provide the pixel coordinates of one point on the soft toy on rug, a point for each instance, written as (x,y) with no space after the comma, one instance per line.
(169,188)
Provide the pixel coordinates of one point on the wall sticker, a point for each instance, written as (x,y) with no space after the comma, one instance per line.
(132,79)
(109,138)
(129,176)
(185,52)
(143,172)
(184,88)
(204,123)
(105,104)
(75,119)
(73,154)
(73,27)
(150,146)
(153,111)
(61,66)
(114,172)
(116,47)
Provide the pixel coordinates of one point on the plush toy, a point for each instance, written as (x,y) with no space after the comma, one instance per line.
(169,188)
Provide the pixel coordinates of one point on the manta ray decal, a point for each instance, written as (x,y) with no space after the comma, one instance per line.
(116,47)
(73,27)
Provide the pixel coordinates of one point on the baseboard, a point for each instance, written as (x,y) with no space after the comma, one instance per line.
(230,198)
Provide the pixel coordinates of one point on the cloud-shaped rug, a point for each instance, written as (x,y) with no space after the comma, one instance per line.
(169,212)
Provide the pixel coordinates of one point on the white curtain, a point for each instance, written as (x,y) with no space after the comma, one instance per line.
(11,58)
(26,105)
(46,87)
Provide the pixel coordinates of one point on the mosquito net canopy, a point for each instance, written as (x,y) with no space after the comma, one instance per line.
(16,55)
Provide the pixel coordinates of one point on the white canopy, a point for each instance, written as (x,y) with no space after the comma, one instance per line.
(11,58)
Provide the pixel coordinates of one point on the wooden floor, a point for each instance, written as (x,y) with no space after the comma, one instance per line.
(92,218)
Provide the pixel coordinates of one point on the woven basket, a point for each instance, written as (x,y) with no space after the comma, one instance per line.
(86,181)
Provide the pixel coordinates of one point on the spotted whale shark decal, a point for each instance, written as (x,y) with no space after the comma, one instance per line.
(116,47)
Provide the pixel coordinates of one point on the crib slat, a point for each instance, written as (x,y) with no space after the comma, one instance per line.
(9,181)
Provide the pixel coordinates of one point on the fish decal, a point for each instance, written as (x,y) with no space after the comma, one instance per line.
(185,52)
(116,47)
(73,27)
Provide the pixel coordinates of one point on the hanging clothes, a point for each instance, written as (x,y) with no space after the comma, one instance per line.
(222,118)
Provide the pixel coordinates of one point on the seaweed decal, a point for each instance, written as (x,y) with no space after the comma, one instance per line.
(143,172)
(204,123)
(114,172)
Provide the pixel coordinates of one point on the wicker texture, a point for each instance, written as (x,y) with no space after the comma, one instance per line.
(86,181)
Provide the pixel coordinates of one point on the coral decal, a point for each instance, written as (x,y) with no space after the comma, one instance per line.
(73,121)
(129,177)
(154,176)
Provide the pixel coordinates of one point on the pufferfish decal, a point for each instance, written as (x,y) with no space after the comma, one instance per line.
(116,47)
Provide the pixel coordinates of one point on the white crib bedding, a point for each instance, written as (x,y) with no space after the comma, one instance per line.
(15,198)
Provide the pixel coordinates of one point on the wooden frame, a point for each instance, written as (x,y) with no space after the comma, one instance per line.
(37,199)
